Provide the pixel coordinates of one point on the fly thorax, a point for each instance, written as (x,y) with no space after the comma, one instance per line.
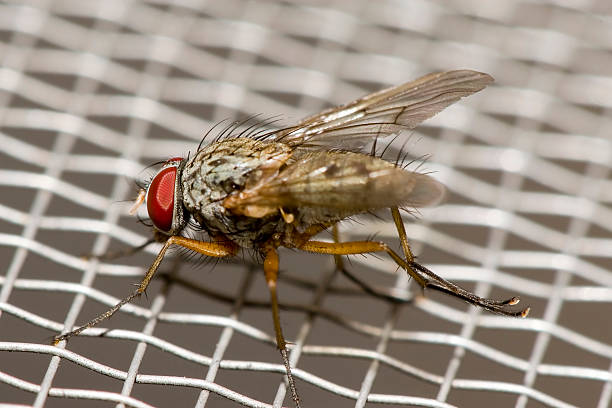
(224,168)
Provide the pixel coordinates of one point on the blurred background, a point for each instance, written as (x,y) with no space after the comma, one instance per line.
(91,92)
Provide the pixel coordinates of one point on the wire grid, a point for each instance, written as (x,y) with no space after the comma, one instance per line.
(93,91)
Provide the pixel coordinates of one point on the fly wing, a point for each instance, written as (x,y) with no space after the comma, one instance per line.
(345,181)
(383,113)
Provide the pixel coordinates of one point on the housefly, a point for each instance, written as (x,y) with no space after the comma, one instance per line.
(281,188)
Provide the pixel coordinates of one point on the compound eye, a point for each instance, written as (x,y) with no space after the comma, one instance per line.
(160,199)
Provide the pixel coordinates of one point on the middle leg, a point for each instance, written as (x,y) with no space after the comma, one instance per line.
(271,272)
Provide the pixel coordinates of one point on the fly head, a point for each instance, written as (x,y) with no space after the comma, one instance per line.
(165,199)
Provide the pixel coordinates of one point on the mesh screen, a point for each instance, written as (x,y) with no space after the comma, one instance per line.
(92,92)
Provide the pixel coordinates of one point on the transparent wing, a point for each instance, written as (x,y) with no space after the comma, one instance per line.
(344,181)
(383,113)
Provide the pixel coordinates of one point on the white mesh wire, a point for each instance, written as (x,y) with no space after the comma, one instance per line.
(90,92)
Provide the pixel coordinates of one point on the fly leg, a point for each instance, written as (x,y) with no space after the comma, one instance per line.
(130,250)
(437,282)
(401,231)
(423,276)
(271,272)
(363,285)
(215,249)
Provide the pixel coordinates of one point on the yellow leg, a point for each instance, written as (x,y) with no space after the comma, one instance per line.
(423,276)
(271,272)
(206,248)
(401,231)
(364,286)
(360,247)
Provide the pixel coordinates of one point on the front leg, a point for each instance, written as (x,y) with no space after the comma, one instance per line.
(214,249)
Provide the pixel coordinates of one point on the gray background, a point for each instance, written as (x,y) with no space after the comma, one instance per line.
(91,92)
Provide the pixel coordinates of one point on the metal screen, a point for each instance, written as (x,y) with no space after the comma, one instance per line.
(93,91)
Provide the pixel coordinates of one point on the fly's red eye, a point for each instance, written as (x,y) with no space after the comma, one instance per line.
(160,199)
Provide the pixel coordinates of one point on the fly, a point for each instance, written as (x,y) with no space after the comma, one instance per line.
(281,188)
